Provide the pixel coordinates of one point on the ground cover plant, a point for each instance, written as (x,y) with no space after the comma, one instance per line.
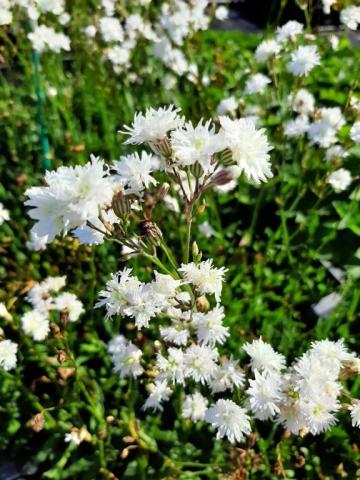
(179,292)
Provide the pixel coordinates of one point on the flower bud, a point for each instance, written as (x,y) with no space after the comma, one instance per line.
(121,204)
(196,170)
(223,177)
(150,231)
(162,147)
(202,304)
(163,190)
(227,157)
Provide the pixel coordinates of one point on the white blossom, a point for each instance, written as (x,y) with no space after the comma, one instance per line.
(8,350)
(256,83)
(159,392)
(355,413)
(229,419)
(35,324)
(267,49)
(154,125)
(263,356)
(340,179)
(200,363)
(209,327)
(289,31)
(71,304)
(302,102)
(355,132)
(249,147)
(303,60)
(350,17)
(194,407)
(205,277)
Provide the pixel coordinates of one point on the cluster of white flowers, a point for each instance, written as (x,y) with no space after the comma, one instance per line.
(91,200)
(44,297)
(321,125)
(42,36)
(304,397)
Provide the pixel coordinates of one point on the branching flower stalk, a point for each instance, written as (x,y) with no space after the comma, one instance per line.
(181,305)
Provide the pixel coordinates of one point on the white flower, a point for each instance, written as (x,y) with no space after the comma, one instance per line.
(227,105)
(8,351)
(355,132)
(267,49)
(319,415)
(205,277)
(126,357)
(73,196)
(249,147)
(165,285)
(350,17)
(195,144)
(111,29)
(35,324)
(4,313)
(177,334)
(340,179)
(118,56)
(54,284)
(221,13)
(5,16)
(134,171)
(336,151)
(333,117)
(323,131)
(209,327)
(154,125)
(116,344)
(265,394)
(200,363)
(289,31)
(227,376)
(44,37)
(303,60)
(327,4)
(296,128)
(40,298)
(256,83)
(263,356)
(302,102)
(90,31)
(194,407)
(355,413)
(126,296)
(172,367)
(159,392)
(229,419)
(4,214)
(70,303)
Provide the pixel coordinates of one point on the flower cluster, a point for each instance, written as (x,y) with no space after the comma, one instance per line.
(304,397)
(320,126)
(94,201)
(44,297)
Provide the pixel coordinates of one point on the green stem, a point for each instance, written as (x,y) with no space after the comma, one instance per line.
(40,97)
